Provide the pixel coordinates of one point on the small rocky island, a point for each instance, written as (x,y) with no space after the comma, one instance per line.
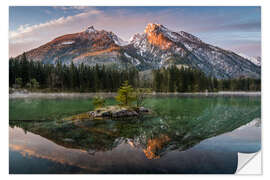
(126,96)
(111,112)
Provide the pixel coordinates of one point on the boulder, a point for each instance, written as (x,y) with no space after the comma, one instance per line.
(106,114)
(92,114)
(120,113)
(143,110)
(133,113)
(124,113)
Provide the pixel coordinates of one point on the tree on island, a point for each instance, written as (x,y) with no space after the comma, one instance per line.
(125,94)
(125,97)
(99,102)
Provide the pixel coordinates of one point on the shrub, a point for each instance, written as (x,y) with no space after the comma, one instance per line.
(140,95)
(98,102)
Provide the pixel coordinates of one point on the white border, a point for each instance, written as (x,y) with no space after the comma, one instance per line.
(265,73)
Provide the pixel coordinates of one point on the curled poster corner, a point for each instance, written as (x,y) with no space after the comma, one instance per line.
(249,163)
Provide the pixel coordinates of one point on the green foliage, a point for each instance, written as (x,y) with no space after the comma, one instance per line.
(18,83)
(84,78)
(98,102)
(125,94)
(175,79)
(61,77)
(33,84)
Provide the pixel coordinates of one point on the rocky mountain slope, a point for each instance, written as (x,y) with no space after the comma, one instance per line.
(155,48)
(158,47)
(90,47)
(255,60)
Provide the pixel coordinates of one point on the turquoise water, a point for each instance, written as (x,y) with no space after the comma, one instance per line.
(182,134)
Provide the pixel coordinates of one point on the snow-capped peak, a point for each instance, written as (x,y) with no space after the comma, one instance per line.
(114,37)
(157,47)
(135,38)
(189,36)
(254,60)
(155,29)
(151,27)
(172,35)
(117,40)
(90,29)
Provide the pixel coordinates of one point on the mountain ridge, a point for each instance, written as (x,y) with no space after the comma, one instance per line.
(155,48)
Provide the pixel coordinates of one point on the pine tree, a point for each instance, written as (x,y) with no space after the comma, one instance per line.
(125,95)
(24,70)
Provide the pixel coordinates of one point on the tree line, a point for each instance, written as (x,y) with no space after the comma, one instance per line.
(61,77)
(83,78)
(173,79)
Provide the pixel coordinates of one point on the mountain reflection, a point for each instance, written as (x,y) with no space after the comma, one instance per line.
(155,145)
(177,125)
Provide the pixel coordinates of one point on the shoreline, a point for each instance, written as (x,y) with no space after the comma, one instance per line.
(113,94)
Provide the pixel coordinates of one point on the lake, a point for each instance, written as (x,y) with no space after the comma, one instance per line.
(185,134)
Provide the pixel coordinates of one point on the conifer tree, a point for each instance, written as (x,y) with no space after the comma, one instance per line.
(125,95)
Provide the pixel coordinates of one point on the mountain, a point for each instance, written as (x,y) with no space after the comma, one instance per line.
(254,60)
(159,46)
(155,48)
(90,47)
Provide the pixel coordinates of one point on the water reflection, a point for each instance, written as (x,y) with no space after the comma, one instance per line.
(142,145)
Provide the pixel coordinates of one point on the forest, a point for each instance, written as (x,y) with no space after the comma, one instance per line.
(58,77)
(173,79)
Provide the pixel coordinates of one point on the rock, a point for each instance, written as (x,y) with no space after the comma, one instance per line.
(98,114)
(133,113)
(130,113)
(143,110)
(92,114)
(68,140)
(111,111)
(120,113)
(91,152)
(124,113)
(106,114)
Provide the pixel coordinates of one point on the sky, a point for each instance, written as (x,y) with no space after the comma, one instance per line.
(232,28)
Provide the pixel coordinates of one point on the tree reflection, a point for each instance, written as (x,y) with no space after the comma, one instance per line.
(175,127)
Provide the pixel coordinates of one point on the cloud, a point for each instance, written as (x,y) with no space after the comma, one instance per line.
(61,22)
(70,8)
(27,37)
(125,22)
